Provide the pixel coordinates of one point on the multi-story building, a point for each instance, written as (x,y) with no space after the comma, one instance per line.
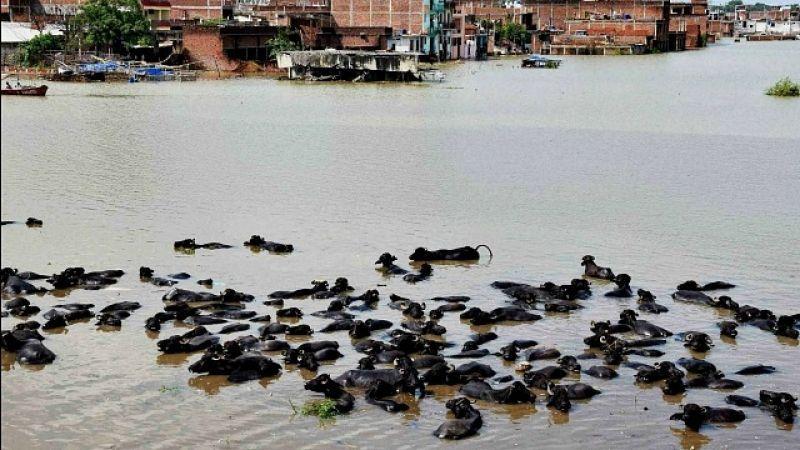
(200,9)
(600,26)
(781,20)
(690,17)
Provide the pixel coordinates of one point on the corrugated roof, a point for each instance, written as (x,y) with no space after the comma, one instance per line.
(19,32)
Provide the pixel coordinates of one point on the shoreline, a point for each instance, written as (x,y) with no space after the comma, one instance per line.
(255,70)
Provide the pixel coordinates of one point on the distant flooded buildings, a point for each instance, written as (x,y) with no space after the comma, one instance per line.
(777,22)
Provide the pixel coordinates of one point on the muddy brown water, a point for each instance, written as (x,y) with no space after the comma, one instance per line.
(666,167)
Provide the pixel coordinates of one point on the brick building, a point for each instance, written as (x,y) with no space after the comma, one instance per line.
(593,27)
(200,9)
(417,25)
(283,12)
(215,47)
(690,17)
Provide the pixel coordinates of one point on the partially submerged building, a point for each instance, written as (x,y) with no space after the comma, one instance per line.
(688,21)
(350,65)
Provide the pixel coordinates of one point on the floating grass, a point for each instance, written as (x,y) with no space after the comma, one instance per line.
(324,409)
(785,88)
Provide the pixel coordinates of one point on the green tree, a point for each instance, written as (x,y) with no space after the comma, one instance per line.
(33,51)
(113,24)
(513,32)
(282,42)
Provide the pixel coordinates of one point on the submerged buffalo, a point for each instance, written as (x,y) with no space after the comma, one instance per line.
(257,242)
(466,253)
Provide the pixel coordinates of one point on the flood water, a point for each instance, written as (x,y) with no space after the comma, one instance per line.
(666,167)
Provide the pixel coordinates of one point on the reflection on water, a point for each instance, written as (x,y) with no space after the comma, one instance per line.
(650,164)
(783,340)
(557,417)
(691,440)
(511,412)
(7,360)
(172,359)
(211,384)
(676,399)
(59,330)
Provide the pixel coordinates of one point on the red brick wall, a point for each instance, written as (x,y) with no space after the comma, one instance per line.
(354,38)
(547,13)
(695,27)
(406,15)
(719,27)
(203,45)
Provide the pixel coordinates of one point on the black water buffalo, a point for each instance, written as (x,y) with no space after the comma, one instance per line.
(465,253)
(623,290)
(467,420)
(591,269)
(425,272)
(387,265)
(259,243)
(316,286)
(334,391)
(642,327)
(513,394)
(692,285)
(190,244)
(694,416)
(376,393)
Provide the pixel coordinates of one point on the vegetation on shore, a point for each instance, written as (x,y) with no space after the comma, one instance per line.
(32,52)
(513,32)
(785,87)
(113,24)
(105,25)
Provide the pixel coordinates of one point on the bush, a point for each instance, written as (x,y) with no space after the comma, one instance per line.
(33,51)
(513,32)
(282,42)
(785,88)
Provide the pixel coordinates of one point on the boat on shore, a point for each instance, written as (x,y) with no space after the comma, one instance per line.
(33,91)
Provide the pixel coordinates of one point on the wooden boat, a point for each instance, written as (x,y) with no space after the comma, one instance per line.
(35,91)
